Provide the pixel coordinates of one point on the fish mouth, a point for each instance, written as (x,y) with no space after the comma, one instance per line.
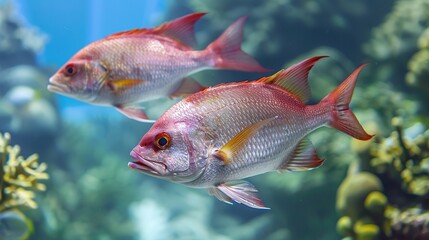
(147,166)
(57,87)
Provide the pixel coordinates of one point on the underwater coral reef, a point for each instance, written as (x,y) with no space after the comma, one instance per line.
(20,180)
(385,194)
(377,190)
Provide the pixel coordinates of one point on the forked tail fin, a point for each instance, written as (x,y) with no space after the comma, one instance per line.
(227,53)
(342,118)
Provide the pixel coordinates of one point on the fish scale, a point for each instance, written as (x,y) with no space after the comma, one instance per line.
(127,68)
(236,110)
(154,64)
(238,130)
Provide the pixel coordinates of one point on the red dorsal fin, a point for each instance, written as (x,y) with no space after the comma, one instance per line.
(294,79)
(180,29)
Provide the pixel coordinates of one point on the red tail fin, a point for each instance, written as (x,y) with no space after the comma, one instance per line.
(227,50)
(342,117)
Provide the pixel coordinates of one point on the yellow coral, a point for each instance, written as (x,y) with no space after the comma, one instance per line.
(424,39)
(376,202)
(352,193)
(365,231)
(20,176)
(407,175)
(345,226)
(404,157)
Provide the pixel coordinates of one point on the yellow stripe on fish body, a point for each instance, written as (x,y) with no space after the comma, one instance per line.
(119,86)
(226,153)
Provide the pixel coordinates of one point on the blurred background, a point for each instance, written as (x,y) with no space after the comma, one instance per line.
(79,185)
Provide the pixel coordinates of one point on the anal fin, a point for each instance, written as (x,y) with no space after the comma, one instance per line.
(239,191)
(134,113)
(188,87)
(304,157)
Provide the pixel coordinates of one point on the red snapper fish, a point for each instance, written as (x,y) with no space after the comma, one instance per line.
(216,137)
(144,64)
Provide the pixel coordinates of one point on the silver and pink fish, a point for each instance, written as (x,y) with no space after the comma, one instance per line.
(215,138)
(126,68)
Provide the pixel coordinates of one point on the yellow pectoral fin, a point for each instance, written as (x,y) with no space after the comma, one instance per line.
(226,153)
(118,86)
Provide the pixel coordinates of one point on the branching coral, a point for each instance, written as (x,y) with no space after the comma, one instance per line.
(399,210)
(20,176)
(403,158)
(411,223)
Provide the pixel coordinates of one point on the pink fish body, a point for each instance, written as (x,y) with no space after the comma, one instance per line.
(217,137)
(143,64)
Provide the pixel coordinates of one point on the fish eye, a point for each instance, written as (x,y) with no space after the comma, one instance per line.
(162,140)
(70,69)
